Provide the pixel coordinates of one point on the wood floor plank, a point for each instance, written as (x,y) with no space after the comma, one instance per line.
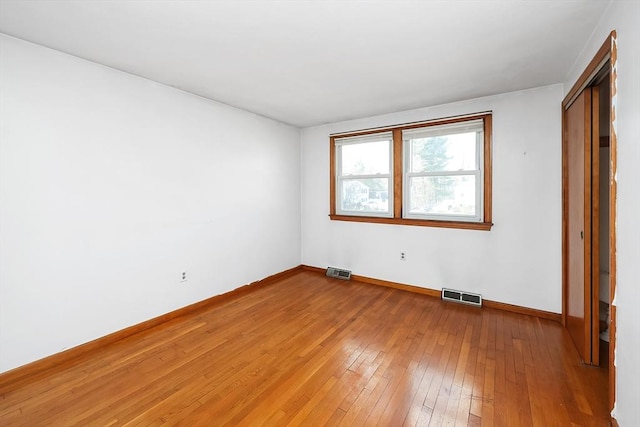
(309,350)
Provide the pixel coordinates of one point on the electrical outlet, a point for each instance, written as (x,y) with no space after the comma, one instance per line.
(183,276)
(403,256)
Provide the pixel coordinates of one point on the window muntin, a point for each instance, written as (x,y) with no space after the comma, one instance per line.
(364,180)
(466,174)
(443,172)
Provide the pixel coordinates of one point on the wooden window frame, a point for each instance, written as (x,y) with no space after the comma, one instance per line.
(398,157)
(385,136)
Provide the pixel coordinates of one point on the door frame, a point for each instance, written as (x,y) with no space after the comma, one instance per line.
(605,57)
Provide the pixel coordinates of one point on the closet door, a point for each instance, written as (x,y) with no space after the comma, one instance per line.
(581,120)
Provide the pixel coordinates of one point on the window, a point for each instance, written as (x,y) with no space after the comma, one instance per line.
(364,175)
(443,173)
(436,173)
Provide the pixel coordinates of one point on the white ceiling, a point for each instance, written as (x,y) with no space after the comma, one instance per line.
(318,61)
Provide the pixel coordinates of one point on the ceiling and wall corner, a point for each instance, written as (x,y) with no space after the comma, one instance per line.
(314,65)
(314,62)
(112,186)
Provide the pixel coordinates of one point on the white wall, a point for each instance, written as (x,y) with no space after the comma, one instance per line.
(112,185)
(624,17)
(517,262)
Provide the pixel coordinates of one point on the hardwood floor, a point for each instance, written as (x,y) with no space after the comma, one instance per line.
(309,350)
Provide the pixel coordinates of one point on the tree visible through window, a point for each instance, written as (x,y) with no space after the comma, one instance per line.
(443,171)
(436,173)
(430,155)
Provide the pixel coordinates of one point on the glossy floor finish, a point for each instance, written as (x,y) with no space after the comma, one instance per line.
(309,350)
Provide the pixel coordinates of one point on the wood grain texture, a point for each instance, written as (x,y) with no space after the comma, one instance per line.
(578,222)
(482,226)
(607,52)
(44,367)
(565,217)
(310,350)
(587,222)
(437,293)
(594,67)
(556,317)
(332,176)
(595,226)
(487,215)
(398,161)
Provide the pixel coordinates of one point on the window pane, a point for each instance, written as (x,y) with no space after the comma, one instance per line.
(365,158)
(443,195)
(366,195)
(444,153)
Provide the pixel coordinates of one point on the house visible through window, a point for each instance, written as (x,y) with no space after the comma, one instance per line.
(435,174)
(365,175)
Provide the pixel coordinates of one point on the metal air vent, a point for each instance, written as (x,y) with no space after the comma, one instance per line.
(338,273)
(462,297)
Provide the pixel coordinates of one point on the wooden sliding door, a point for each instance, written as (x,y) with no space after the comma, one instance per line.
(581,223)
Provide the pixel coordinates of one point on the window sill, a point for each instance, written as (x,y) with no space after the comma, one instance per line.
(483,226)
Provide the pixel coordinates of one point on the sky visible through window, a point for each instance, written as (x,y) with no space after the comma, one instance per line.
(373,157)
(368,158)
